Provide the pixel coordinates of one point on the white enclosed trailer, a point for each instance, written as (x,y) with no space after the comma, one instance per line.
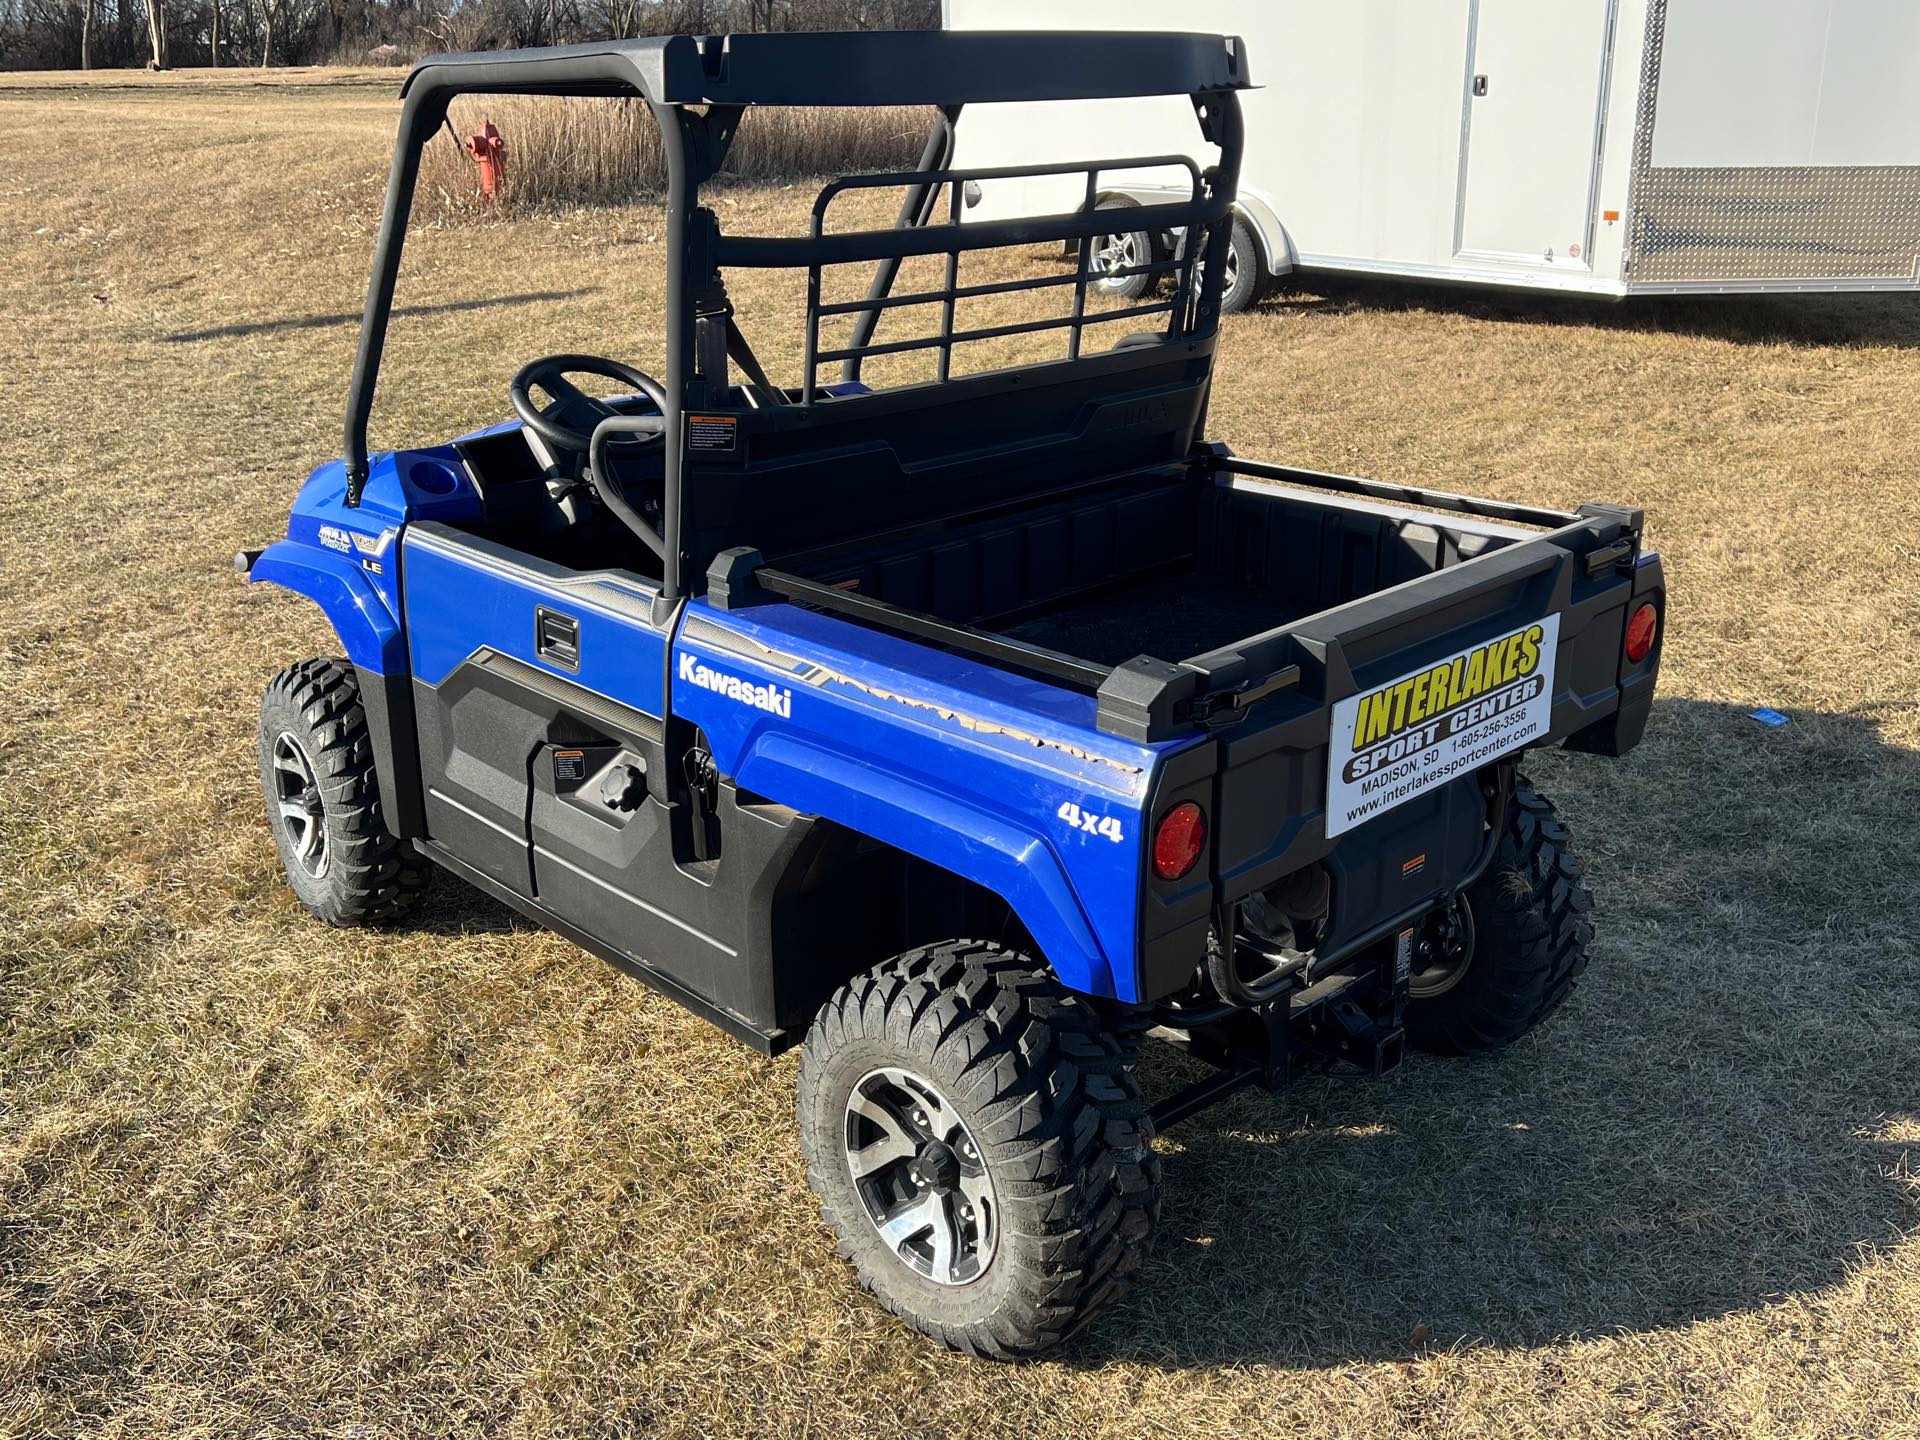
(1614,147)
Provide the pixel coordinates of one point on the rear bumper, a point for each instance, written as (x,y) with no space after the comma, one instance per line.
(1267,793)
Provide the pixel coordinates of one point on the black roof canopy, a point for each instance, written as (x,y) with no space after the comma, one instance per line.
(889,67)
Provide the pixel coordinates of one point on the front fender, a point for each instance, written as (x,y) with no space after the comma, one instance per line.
(344,592)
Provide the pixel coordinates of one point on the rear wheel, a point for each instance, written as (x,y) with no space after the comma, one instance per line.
(323,799)
(1509,950)
(979,1147)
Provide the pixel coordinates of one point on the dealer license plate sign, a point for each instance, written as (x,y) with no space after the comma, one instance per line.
(1400,739)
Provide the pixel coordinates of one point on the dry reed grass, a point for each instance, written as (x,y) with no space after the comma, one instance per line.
(564,152)
(259,1179)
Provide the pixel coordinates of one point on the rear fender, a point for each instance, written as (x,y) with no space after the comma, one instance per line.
(1001,781)
(999,854)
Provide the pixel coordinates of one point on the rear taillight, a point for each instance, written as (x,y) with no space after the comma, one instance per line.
(1178,840)
(1642,630)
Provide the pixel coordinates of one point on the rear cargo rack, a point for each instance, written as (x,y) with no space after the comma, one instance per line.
(954,239)
(1150,699)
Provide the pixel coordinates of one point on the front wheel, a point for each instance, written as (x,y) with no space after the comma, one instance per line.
(978,1146)
(1509,950)
(323,799)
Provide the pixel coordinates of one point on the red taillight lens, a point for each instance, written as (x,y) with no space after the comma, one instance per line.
(1641,631)
(1178,840)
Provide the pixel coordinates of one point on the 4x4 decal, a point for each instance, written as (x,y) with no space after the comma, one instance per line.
(1106,826)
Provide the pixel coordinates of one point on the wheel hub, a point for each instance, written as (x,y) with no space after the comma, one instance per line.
(921,1176)
(297,807)
(1111,253)
(937,1166)
(1442,952)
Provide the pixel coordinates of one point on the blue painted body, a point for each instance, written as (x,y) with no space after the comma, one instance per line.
(961,764)
(1003,780)
(347,560)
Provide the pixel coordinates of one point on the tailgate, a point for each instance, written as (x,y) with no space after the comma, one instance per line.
(1405,695)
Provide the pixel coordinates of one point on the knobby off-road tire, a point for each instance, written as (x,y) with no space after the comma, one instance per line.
(1530,931)
(1034,1090)
(323,800)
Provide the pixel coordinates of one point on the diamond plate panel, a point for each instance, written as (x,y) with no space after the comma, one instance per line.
(1799,223)
(1764,223)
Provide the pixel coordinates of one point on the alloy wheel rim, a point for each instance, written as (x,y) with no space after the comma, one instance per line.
(298,808)
(921,1176)
(1111,253)
(1231,270)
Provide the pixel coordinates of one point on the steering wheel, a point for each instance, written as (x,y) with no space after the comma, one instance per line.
(568,422)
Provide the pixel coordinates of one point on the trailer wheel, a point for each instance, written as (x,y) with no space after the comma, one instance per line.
(979,1147)
(1513,945)
(1246,279)
(1120,250)
(323,799)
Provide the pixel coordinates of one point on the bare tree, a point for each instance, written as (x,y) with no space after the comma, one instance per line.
(47,34)
(157,33)
(621,16)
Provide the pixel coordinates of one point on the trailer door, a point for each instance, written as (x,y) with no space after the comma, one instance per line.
(1536,77)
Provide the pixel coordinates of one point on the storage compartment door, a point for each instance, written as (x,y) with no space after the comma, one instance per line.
(1535,80)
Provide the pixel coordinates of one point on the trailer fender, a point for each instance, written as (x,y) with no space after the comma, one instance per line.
(863,794)
(367,628)
(1276,246)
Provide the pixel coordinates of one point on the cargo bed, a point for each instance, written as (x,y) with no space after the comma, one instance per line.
(1198,565)
(1265,605)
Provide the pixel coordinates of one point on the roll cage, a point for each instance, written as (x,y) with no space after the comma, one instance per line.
(698,89)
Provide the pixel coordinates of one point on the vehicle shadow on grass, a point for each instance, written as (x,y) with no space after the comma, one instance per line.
(1884,320)
(454,908)
(352,317)
(1712,1123)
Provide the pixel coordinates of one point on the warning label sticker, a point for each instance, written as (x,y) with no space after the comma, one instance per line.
(712,432)
(1401,739)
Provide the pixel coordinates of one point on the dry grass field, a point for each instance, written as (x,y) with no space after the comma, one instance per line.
(262,1179)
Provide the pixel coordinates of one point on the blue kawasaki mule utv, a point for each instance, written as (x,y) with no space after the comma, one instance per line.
(967,732)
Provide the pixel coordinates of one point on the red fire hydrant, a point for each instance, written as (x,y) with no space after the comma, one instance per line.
(489,152)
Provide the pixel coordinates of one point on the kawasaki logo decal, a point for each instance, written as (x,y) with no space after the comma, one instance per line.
(774,699)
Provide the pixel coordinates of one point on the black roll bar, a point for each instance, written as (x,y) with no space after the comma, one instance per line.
(723,74)
(916,209)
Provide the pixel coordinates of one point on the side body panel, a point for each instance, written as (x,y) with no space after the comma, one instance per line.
(487,696)
(1359,135)
(1002,780)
